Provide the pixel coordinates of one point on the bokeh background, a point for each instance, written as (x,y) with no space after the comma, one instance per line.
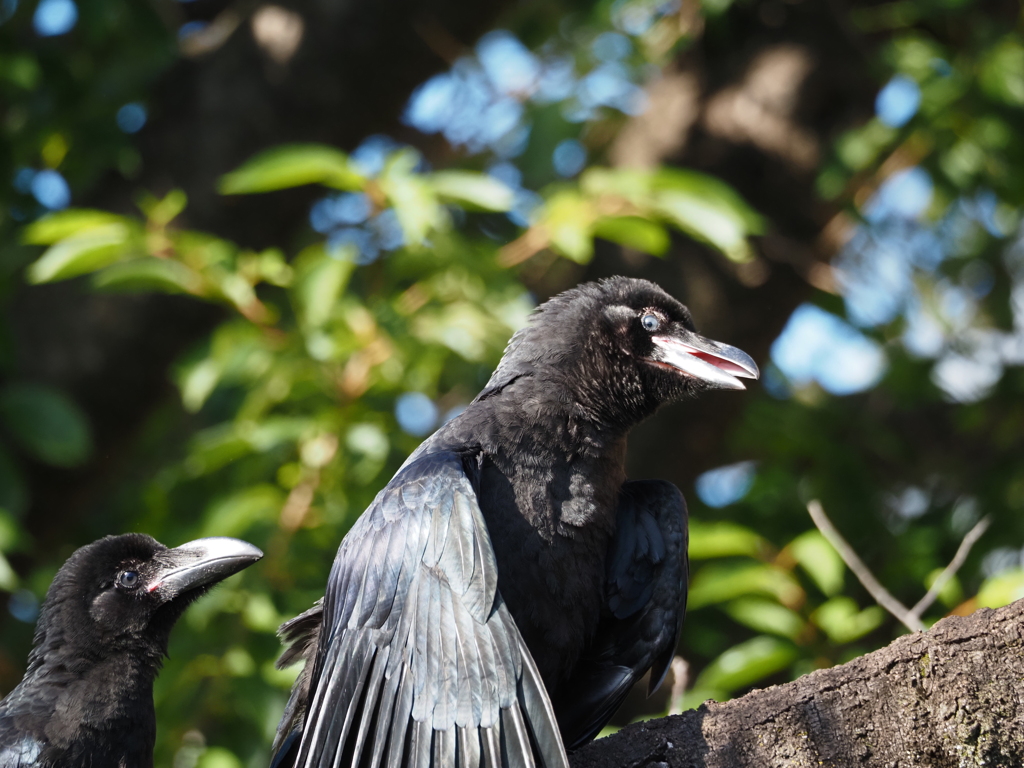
(251,253)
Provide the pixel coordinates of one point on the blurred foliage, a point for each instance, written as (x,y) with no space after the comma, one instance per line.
(335,358)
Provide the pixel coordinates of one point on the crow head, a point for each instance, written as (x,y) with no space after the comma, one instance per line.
(649,337)
(128,591)
(617,349)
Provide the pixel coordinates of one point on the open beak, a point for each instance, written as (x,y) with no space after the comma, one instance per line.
(714,363)
(200,562)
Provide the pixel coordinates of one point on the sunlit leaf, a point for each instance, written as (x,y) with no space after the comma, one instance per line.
(217,446)
(46,424)
(462,326)
(1002,71)
(844,622)
(723,539)
(149,273)
(413,198)
(568,220)
(631,184)
(634,232)
(704,220)
(293,166)
(12,535)
(766,616)
(197,383)
(8,577)
(474,190)
(319,282)
(161,211)
(234,515)
(86,251)
(821,561)
(746,663)
(218,757)
(56,226)
(707,209)
(721,582)
(1003,589)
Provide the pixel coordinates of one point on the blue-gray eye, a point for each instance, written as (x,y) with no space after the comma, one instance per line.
(128,579)
(650,322)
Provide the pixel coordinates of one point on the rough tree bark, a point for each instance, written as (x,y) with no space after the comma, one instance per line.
(946,698)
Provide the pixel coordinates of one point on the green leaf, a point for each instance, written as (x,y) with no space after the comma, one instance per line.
(1001,71)
(320,281)
(464,327)
(706,209)
(149,274)
(217,446)
(746,663)
(57,226)
(413,199)
(721,582)
(8,578)
(161,211)
(47,424)
(12,535)
(197,383)
(218,757)
(634,232)
(474,190)
(629,183)
(1001,590)
(952,592)
(293,166)
(723,539)
(766,616)
(843,622)
(568,219)
(237,513)
(703,220)
(86,251)
(820,560)
(710,189)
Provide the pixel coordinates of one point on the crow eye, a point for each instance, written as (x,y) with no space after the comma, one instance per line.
(650,322)
(128,580)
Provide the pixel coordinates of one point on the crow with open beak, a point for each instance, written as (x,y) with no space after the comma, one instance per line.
(508,586)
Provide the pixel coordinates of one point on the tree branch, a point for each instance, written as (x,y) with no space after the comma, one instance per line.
(945,698)
(882,596)
(954,565)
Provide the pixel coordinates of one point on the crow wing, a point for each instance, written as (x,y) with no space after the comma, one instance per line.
(646,601)
(417,660)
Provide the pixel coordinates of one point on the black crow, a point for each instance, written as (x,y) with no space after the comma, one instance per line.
(509,575)
(86,700)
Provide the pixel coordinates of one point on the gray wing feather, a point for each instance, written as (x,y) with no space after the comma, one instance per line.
(418,662)
(518,751)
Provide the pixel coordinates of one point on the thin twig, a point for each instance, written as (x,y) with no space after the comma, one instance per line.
(954,565)
(882,596)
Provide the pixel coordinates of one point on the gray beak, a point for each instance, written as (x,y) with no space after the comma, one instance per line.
(200,562)
(714,363)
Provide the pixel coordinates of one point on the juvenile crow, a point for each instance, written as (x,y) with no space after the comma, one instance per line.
(509,575)
(86,700)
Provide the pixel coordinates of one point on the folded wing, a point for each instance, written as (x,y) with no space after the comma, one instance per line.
(646,601)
